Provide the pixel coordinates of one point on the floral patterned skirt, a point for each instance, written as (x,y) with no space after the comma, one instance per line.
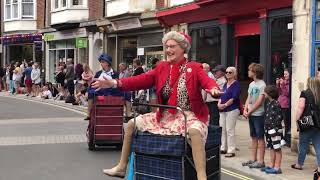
(171,124)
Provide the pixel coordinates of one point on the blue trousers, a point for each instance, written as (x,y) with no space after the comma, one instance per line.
(305,138)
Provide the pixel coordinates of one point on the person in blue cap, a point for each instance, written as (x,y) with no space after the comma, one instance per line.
(106,72)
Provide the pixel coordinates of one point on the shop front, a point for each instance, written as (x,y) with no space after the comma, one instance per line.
(65,45)
(19,47)
(237,33)
(128,39)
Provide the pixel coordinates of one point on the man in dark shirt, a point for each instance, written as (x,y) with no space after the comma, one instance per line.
(137,71)
(137,67)
(2,74)
(70,76)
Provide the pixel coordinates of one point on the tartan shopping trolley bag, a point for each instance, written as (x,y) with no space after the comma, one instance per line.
(158,157)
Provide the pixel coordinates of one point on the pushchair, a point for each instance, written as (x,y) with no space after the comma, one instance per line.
(106,123)
(158,157)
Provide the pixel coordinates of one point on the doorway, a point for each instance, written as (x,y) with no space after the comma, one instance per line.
(247,52)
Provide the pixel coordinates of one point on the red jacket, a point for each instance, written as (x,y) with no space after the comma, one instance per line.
(196,79)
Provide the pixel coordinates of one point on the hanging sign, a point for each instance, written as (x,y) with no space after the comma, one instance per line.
(81,42)
(140,51)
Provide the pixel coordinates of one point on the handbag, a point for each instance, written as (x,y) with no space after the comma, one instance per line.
(241,108)
(306,121)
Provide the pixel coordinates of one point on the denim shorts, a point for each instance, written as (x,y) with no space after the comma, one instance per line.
(256,124)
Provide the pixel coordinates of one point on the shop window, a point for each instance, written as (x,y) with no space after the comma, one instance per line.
(281,42)
(14,8)
(128,50)
(318,9)
(64,3)
(317,58)
(27,9)
(70,43)
(56,4)
(70,54)
(317,31)
(60,44)
(23,9)
(8,9)
(206,45)
(77,2)
(52,45)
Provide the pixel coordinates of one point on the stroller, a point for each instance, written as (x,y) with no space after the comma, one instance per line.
(158,157)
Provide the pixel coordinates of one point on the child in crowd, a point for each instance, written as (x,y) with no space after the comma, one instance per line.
(273,130)
(46,93)
(82,96)
(254,111)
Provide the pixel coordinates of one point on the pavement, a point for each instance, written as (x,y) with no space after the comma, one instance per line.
(288,158)
(242,155)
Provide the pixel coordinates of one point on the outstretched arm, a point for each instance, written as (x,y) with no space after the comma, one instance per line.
(142,81)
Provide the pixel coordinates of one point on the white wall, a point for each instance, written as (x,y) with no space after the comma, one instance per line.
(179,2)
(118,7)
(19,25)
(301,56)
(95,49)
(69,15)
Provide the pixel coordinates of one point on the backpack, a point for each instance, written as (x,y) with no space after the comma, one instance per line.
(70,99)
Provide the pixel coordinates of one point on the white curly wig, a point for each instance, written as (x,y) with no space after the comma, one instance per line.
(181,39)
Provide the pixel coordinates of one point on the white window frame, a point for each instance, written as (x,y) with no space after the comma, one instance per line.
(12,9)
(6,10)
(69,5)
(34,10)
(20,16)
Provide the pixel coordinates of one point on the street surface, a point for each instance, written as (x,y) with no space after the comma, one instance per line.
(44,142)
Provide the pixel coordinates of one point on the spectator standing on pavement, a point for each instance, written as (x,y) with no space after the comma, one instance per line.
(273,130)
(210,101)
(17,76)
(153,91)
(59,76)
(318,74)
(69,77)
(8,77)
(219,77)
(36,79)
(2,75)
(23,66)
(313,134)
(124,73)
(228,105)
(78,71)
(11,82)
(254,111)
(137,66)
(284,100)
(28,80)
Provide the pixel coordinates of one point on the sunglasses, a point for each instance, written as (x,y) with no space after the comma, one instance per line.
(229,72)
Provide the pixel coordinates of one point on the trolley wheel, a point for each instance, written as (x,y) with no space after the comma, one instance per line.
(119,146)
(91,145)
